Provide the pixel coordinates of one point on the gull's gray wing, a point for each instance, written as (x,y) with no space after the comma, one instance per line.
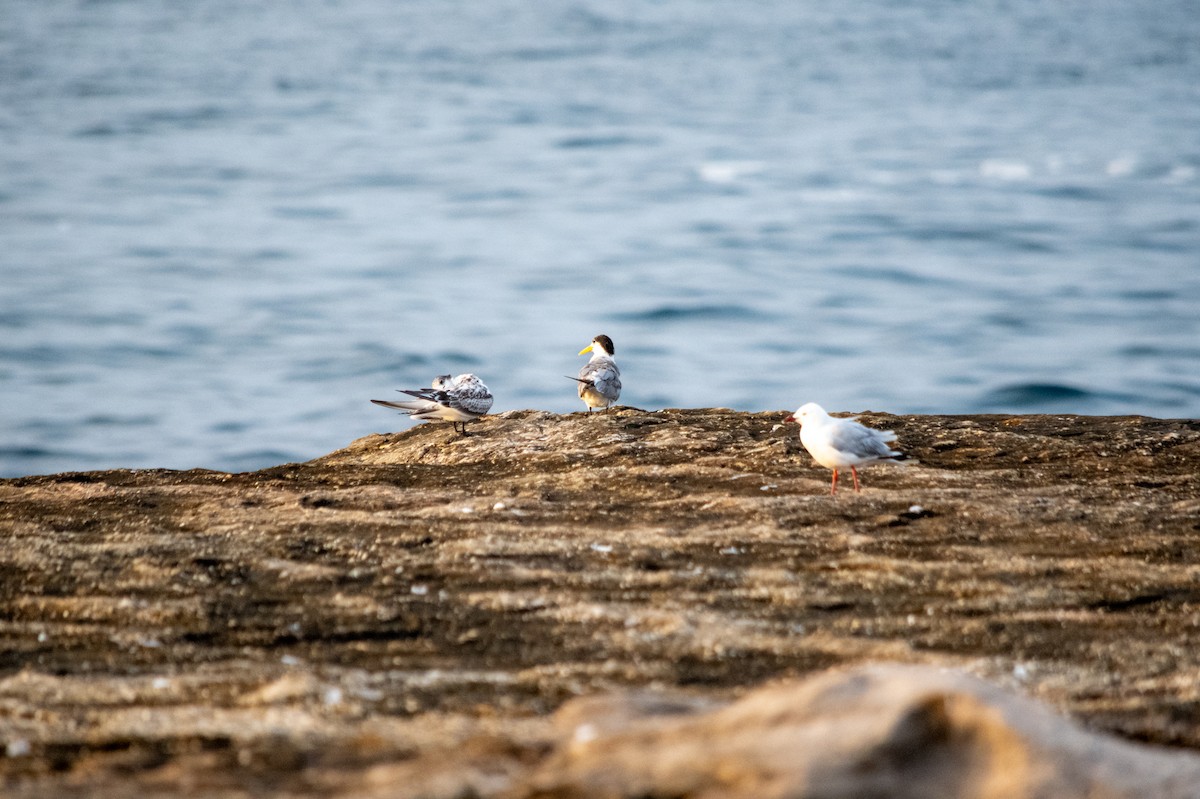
(859,441)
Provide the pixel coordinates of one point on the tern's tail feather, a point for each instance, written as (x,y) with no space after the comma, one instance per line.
(404,405)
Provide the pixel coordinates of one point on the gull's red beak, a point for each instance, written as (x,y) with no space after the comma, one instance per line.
(790,419)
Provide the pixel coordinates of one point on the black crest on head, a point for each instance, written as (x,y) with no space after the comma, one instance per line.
(605,342)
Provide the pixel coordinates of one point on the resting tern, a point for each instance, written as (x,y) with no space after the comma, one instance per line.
(456,400)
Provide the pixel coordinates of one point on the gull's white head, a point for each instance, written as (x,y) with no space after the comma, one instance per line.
(601,345)
(808,413)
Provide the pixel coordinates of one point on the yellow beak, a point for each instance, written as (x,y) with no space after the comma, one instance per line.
(588,348)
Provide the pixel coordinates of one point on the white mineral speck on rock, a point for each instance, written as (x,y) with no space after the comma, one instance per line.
(602,547)
(18,747)
(419,590)
(499,506)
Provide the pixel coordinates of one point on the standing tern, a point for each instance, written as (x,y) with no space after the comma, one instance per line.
(599,380)
(841,443)
(456,400)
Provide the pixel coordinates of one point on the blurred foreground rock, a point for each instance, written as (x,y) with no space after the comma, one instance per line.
(903,732)
(403,617)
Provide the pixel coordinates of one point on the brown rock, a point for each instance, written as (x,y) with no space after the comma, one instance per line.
(884,730)
(319,628)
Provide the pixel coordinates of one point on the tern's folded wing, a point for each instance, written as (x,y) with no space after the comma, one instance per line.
(604,376)
(472,399)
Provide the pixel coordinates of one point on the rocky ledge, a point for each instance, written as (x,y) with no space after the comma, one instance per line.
(626,603)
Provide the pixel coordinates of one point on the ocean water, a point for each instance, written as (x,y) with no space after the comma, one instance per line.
(225,226)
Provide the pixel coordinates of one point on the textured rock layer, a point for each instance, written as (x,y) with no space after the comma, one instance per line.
(342,626)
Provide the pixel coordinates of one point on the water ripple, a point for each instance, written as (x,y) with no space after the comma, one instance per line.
(680,313)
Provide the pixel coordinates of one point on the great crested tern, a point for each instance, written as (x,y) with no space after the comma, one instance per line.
(600,379)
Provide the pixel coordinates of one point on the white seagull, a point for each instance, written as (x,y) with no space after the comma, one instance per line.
(456,400)
(599,380)
(840,443)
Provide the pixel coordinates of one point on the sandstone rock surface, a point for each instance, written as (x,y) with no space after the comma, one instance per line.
(403,617)
(903,732)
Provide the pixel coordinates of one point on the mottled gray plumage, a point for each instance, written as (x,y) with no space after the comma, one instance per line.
(457,400)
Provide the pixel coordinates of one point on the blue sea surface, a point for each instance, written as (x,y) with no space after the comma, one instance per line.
(226,226)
